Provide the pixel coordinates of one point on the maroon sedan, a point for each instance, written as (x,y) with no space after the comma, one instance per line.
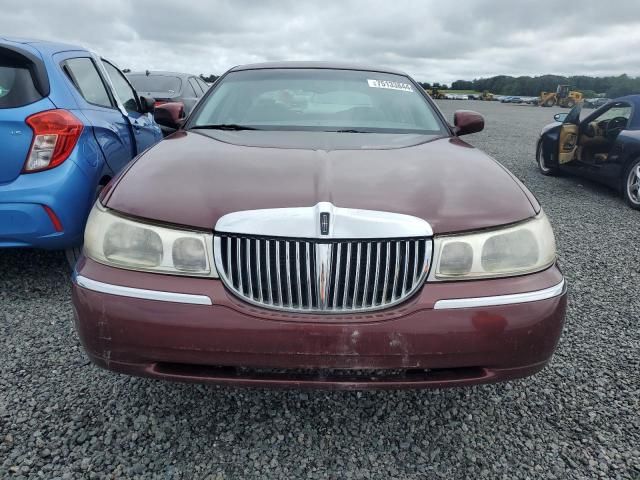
(317,224)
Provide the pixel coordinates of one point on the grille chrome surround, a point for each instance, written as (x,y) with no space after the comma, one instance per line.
(306,222)
(322,276)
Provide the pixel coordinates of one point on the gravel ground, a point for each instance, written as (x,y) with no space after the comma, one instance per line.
(63,418)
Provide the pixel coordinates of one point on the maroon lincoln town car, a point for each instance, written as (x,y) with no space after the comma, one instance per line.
(319,225)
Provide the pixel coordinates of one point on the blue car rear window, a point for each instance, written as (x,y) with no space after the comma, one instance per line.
(16,85)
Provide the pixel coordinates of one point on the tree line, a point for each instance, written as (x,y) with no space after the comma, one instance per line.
(611,87)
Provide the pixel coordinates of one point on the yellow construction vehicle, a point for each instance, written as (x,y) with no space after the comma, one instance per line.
(435,94)
(486,96)
(563,97)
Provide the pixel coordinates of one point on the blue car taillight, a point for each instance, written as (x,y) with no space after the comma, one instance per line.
(55,135)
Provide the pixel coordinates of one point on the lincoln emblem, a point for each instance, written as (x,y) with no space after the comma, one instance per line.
(324,223)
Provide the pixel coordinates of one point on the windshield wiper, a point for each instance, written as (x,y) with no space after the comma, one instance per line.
(224,126)
(348,130)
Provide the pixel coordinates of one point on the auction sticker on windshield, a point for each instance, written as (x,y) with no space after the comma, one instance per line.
(390,85)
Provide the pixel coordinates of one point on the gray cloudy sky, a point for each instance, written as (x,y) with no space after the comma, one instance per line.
(431,40)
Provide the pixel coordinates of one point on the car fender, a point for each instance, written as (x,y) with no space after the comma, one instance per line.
(627,146)
(90,157)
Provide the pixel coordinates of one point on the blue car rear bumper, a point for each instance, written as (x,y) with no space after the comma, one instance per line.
(67,190)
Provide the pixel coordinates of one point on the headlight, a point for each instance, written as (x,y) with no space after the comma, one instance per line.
(122,242)
(523,248)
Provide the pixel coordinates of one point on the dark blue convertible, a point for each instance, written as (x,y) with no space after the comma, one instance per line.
(604,146)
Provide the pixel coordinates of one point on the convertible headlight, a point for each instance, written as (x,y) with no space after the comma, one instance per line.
(523,248)
(122,242)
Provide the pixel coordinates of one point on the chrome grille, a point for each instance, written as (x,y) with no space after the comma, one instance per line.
(322,276)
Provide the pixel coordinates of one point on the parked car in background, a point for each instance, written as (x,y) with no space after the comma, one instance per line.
(604,147)
(69,122)
(596,102)
(331,229)
(456,96)
(170,87)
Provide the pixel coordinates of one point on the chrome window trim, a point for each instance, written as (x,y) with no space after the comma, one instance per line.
(304,222)
(141,293)
(497,300)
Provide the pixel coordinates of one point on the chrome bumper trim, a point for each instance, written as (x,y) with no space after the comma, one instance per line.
(157,295)
(545,294)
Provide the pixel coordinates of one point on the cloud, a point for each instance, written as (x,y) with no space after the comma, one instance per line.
(431,40)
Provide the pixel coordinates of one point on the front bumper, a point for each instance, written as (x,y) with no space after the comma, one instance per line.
(413,345)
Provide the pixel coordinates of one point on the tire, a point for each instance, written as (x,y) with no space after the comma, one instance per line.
(547,171)
(72,255)
(549,103)
(631,185)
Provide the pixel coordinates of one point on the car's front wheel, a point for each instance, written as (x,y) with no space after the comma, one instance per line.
(631,185)
(544,169)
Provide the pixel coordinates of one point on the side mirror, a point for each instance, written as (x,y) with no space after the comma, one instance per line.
(147,103)
(170,115)
(560,117)
(466,122)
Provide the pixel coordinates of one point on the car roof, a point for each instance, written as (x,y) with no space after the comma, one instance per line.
(162,72)
(44,45)
(632,99)
(318,65)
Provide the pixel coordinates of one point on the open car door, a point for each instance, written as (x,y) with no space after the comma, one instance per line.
(569,132)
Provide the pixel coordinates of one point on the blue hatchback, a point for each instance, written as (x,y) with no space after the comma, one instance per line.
(69,121)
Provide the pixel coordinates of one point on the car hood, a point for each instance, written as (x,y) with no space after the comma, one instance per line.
(193,179)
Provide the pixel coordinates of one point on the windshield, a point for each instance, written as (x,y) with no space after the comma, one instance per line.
(319,100)
(155,83)
(618,110)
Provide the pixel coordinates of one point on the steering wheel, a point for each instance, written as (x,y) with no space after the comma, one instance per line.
(591,130)
(615,126)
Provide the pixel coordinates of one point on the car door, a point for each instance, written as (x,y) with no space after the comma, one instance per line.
(145,130)
(111,128)
(610,124)
(568,137)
